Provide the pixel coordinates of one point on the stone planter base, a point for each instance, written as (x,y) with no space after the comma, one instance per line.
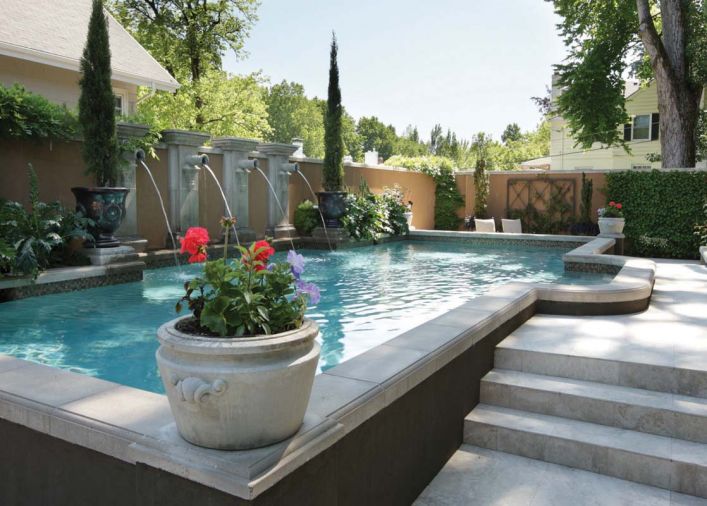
(611,225)
(238,393)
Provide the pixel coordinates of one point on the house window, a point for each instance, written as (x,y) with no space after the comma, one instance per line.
(642,127)
(121,101)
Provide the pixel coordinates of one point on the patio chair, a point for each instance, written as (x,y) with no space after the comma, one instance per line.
(485,225)
(512,226)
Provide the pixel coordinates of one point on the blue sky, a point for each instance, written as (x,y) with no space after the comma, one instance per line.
(470,65)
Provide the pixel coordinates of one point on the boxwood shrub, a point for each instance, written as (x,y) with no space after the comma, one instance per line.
(662,210)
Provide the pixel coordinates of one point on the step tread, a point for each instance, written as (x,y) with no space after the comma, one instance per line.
(695,406)
(590,433)
(610,338)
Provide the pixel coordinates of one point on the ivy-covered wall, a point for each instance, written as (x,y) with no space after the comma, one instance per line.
(662,209)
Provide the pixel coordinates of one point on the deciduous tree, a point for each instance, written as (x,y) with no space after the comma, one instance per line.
(605,40)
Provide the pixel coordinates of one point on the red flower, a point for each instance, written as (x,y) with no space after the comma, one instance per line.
(263,255)
(197,258)
(618,206)
(195,240)
(612,204)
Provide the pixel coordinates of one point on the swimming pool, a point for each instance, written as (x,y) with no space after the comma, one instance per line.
(369,295)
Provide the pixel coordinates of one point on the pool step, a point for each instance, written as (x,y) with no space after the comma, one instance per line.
(646,375)
(658,413)
(660,461)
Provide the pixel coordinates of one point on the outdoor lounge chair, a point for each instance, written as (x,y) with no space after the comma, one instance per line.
(485,225)
(512,226)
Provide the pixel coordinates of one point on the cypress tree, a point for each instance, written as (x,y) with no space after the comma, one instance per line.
(97,103)
(333,140)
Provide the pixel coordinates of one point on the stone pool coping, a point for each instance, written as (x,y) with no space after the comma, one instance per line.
(136,427)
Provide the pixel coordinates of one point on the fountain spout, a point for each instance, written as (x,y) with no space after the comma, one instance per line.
(198,160)
(247,165)
(139,155)
(289,168)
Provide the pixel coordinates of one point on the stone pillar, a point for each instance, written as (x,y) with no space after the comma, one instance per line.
(182,149)
(279,170)
(236,168)
(128,231)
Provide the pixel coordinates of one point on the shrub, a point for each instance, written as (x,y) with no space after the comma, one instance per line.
(307,218)
(333,139)
(97,103)
(26,115)
(701,229)
(368,216)
(448,200)
(38,237)
(661,209)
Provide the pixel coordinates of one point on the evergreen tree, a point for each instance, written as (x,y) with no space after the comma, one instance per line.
(333,139)
(97,103)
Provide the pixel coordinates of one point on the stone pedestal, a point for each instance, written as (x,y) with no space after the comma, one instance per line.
(235,180)
(128,231)
(182,148)
(619,238)
(106,256)
(278,172)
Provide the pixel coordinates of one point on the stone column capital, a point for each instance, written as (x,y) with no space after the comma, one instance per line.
(239,144)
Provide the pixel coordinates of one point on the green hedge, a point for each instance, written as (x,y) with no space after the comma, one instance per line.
(662,209)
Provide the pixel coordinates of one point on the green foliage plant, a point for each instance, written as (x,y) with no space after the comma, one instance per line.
(448,199)
(661,209)
(701,228)
(97,103)
(370,216)
(481,179)
(585,202)
(307,218)
(38,237)
(333,171)
(27,115)
(246,296)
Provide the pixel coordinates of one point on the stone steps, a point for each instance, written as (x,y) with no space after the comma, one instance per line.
(648,374)
(658,413)
(659,461)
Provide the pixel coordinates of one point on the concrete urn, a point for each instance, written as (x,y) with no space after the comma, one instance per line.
(611,225)
(237,393)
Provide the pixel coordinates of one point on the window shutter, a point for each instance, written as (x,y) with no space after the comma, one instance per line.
(627,132)
(655,126)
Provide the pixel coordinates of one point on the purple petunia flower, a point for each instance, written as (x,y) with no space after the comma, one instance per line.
(296,262)
(309,289)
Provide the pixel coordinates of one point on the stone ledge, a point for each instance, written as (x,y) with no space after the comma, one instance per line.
(70,279)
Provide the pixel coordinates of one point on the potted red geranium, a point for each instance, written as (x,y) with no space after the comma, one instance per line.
(611,218)
(238,371)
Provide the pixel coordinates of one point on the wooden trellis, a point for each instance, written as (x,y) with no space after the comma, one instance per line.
(538,192)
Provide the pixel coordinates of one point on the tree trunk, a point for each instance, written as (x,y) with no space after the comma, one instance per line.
(678,98)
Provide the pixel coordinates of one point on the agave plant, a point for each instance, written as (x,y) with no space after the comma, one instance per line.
(37,235)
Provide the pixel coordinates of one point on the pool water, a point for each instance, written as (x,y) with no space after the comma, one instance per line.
(369,295)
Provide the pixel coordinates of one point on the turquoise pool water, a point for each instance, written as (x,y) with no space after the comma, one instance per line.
(369,295)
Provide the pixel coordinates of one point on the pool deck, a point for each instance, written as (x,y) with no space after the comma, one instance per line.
(623,396)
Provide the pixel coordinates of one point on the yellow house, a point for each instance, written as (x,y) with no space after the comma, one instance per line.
(641,135)
(41,42)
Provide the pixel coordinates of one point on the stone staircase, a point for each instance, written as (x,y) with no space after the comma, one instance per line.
(635,415)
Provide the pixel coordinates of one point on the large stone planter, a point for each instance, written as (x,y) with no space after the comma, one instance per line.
(611,225)
(238,393)
(106,207)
